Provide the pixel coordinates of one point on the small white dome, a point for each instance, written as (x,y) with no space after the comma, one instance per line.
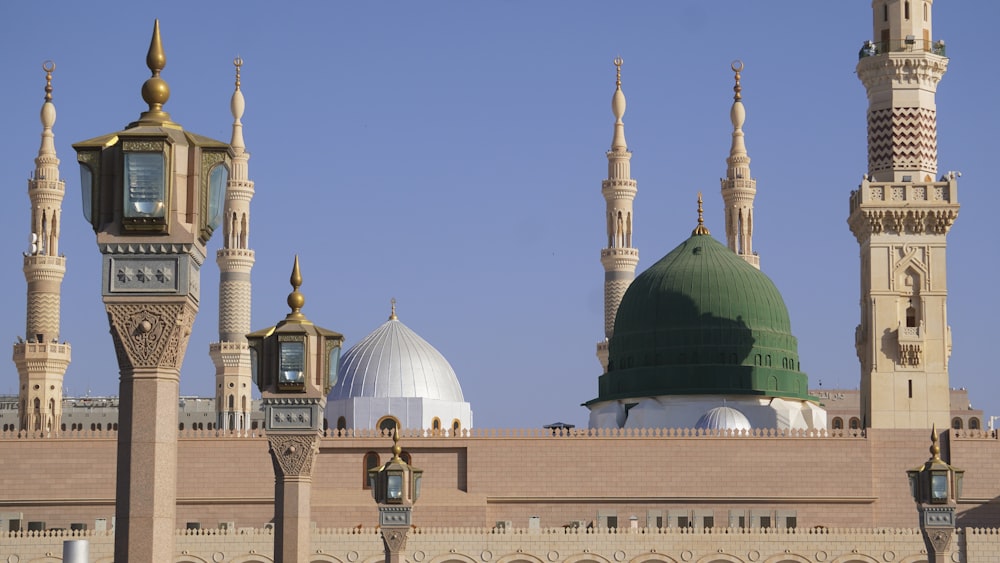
(723,418)
(393,361)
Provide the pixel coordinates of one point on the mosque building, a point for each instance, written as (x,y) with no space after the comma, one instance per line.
(705,443)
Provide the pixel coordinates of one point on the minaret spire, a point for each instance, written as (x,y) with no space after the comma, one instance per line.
(40,359)
(231,355)
(738,187)
(901,216)
(619,258)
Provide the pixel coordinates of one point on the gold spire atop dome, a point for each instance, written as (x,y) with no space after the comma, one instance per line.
(701,229)
(155,90)
(392,315)
(48,67)
(737,67)
(295,299)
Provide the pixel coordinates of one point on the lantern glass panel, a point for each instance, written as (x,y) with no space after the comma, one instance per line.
(291,369)
(87,192)
(939,487)
(145,185)
(394,488)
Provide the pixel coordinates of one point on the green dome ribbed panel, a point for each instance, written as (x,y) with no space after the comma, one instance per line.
(702,321)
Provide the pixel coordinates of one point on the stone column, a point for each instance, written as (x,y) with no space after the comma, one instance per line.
(150,339)
(293,456)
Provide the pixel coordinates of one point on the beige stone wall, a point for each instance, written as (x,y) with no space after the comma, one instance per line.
(491,476)
(471,545)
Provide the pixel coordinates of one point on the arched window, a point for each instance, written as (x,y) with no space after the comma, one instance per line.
(911,316)
(341,423)
(855,423)
(906,10)
(973,423)
(388,424)
(456,427)
(93,426)
(956,423)
(371,462)
(436,424)
(406,457)
(838,423)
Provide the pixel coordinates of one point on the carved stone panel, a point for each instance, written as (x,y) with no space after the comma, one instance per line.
(150,335)
(293,454)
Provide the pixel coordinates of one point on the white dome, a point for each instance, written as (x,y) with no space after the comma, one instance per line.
(393,361)
(723,418)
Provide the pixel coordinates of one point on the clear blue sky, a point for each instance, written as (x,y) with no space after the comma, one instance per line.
(450,155)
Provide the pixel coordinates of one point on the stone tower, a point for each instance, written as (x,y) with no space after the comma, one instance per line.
(233,377)
(620,257)
(40,358)
(901,215)
(738,187)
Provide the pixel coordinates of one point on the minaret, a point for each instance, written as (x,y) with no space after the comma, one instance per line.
(738,187)
(231,355)
(619,258)
(901,216)
(40,358)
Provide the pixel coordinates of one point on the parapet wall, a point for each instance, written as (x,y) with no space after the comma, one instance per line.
(662,477)
(551,545)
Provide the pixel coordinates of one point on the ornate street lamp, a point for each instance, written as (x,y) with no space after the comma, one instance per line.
(936,486)
(395,487)
(153,194)
(294,364)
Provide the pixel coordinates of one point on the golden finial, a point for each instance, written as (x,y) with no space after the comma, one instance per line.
(155,90)
(935,448)
(392,315)
(396,448)
(737,67)
(701,229)
(238,62)
(48,67)
(618,68)
(295,299)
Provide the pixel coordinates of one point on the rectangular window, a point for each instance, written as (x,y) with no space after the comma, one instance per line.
(659,521)
(791,522)
(765,521)
(612,521)
(743,521)
(708,522)
(683,522)
(910,385)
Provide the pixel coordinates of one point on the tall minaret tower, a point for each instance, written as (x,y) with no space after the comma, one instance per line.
(231,355)
(619,258)
(901,216)
(40,358)
(738,187)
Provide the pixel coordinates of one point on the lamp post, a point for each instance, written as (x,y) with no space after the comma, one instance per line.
(936,486)
(153,194)
(396,487)
(295,364)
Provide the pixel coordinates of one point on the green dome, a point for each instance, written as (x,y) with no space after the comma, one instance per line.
(702,321)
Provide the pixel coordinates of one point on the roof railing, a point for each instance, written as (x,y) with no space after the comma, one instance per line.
(908,44)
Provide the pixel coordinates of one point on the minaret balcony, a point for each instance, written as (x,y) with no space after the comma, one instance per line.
(904,207)
(910,340)
(908,44)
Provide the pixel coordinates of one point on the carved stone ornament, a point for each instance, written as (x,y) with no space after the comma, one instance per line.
(939,539)
(395,540)
(293,454)
(150,335)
